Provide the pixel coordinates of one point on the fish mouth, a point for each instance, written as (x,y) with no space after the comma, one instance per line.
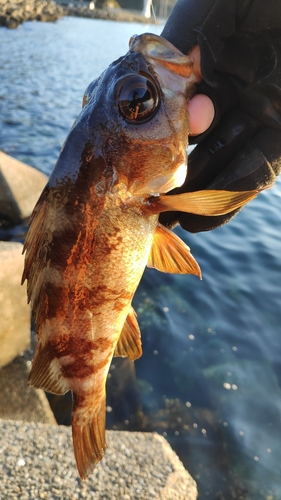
(162,184)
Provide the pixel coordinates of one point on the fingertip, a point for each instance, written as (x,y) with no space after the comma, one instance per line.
(201,113)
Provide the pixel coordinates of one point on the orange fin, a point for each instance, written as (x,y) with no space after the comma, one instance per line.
(35,243)
(46,373)
(88,434)
(170,254)
(129,343)
(159,50)
(207,202)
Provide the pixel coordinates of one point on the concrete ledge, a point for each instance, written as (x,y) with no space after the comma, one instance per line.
(20,187)
(14,311)
(37,461)
(19,401)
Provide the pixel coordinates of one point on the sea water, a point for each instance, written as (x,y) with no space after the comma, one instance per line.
(209,378)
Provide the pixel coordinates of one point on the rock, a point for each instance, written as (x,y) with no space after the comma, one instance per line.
(121,15)
(37,461)
(18,400)
(14,311)
(20,187)
(15,12)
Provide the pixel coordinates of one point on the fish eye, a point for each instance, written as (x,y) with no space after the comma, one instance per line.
(138,99)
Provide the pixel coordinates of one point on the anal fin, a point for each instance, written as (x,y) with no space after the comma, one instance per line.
(129,342)
(46,373)
(170,254)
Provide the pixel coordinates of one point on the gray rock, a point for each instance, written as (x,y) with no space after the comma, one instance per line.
(14,311)
(37,461)
(9,210)
(120,15)
(15,12)
(18,400)
(20,187)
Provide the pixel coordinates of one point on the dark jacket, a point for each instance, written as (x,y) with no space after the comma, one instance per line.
(240,44)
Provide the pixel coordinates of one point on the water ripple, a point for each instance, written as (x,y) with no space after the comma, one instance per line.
(211,348)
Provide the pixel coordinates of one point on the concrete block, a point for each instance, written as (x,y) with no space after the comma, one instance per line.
(37,461)
(14,311)
(20,188)
(18,400)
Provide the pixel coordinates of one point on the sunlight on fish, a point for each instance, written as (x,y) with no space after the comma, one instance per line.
(95,228)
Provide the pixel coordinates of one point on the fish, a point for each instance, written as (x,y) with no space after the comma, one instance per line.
(95,228)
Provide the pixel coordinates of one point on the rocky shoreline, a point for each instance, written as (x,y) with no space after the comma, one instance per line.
(15,12)
(109,14)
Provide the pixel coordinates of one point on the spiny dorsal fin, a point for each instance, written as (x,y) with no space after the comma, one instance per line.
(170,254)
(129,343)
(46,373)
(206,202)
(158,50)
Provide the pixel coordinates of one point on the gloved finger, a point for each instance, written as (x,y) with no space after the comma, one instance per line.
(256,75)
(255,166)
(213,154)
(201,113)
(224,98)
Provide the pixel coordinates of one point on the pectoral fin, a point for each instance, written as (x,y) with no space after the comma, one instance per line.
(207,202)
(129,343)
(170,254)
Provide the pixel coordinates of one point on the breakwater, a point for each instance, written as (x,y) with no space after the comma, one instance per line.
(15,12)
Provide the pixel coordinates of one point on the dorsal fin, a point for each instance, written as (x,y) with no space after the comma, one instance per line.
(156,49)
(129,343)
(170,254)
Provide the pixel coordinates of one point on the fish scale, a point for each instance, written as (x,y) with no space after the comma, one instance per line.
(95,228)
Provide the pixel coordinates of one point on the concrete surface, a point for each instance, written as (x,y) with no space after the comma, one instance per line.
(20,188)
(14,311)
(37,461)
(18,400)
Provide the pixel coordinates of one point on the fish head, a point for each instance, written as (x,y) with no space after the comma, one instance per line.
(133,128)
(155,158)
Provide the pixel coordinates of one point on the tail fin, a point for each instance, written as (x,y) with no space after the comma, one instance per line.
(88,434)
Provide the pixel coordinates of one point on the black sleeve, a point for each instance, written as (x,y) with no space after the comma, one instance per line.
(240,44)
(204,23)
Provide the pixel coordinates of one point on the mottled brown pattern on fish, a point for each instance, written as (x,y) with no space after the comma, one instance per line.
(64,302)
(80,367)
(89,238)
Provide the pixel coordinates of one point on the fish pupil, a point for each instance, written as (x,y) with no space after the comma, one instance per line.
(138,99)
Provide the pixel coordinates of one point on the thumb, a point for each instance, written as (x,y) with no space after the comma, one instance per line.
(201,113)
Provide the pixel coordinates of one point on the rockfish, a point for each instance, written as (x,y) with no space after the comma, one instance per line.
(95,228)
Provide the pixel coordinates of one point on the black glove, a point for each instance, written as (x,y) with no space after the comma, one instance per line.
(240,45)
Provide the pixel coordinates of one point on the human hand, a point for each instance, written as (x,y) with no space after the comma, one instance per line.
(238,147)
(200,108)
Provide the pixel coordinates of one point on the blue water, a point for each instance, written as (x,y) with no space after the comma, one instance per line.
(210,374)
